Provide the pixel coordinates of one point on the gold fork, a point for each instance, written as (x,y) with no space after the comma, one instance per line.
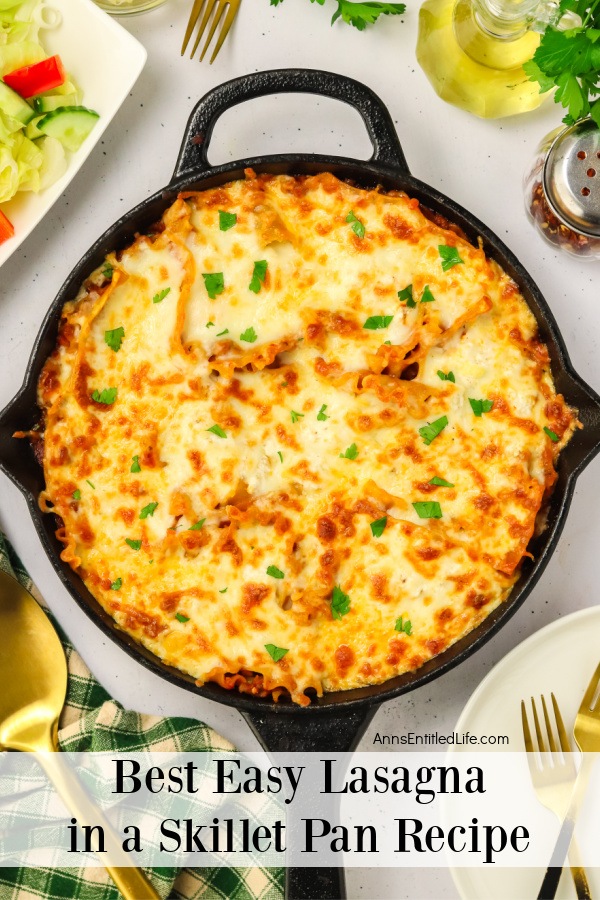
(554,777)
(214,8)
(587,738)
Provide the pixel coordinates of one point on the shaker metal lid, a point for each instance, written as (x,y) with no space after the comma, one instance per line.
(572,177)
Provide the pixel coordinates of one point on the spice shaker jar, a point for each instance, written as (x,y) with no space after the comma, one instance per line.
(562,189)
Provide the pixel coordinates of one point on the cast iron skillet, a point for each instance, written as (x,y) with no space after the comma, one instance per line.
(337,721)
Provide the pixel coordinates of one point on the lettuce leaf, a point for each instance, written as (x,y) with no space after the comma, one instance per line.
(29,159)
(15,56)
(9,175)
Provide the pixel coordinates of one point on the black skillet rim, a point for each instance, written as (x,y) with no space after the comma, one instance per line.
(367,173)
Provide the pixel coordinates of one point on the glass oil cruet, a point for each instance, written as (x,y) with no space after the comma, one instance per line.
(473,51)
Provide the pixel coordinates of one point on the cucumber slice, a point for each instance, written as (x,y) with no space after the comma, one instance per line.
(32,131)
(13,105)
(48,104)
(69,124)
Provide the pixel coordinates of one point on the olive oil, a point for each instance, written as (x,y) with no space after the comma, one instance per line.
(473,55)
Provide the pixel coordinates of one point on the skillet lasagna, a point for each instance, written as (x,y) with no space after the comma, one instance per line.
(298,437)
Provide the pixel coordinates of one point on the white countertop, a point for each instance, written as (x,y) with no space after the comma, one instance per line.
(478,163)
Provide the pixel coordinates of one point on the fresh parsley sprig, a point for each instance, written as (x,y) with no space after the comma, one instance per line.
(404,626)
(569,61)
(114,338)
(359,14)
(276,653)
(378,526)
(340,603)
(258,275)
(107,396)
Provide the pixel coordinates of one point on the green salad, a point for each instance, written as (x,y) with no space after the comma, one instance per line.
(41,116)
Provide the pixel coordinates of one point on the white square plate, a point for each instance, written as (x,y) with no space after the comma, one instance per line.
(105,61)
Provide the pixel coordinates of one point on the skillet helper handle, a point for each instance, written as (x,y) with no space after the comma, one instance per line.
(329,731)
(193,159)
(130,880)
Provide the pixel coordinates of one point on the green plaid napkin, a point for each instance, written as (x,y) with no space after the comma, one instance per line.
(91,720)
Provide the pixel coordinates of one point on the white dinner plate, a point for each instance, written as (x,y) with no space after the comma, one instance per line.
(105,62)
(561,658)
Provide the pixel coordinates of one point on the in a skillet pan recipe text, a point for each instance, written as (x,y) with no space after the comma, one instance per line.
(299,436)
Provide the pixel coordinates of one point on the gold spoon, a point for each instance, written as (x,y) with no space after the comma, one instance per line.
(33,675)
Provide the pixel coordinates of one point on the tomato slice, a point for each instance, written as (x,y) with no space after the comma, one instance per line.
(6,229)
(37,78)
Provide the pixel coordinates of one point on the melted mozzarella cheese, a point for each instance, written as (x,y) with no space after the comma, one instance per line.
(218,466)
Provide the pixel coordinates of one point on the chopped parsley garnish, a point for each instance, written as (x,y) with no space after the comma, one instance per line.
(226,220)
(135,545)
(117,585)
(93,486)
(181,618)
(427,296)
(430,431)
(357,226)
(350,453)
(296,415)
(321,416)
(216,429)
(197,525)
(440,482)
(274,572)
(378,526)
(401,625)
(340,603)
(135,465)
(374,323)
(428,509)
(76,495)
(221,333)
(258,275)
(210,324)
(114,338)
(552,435)
(158,298)
(480,406)
(107,271)
(276,653)
(224,591)
(249,335)
(214,284)
(280,455)
(449,256)
(148,510)
(106,397)
(446,376)
(406,296)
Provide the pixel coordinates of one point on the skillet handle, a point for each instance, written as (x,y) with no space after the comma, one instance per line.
(322,883)
(331,731)
(193,158)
